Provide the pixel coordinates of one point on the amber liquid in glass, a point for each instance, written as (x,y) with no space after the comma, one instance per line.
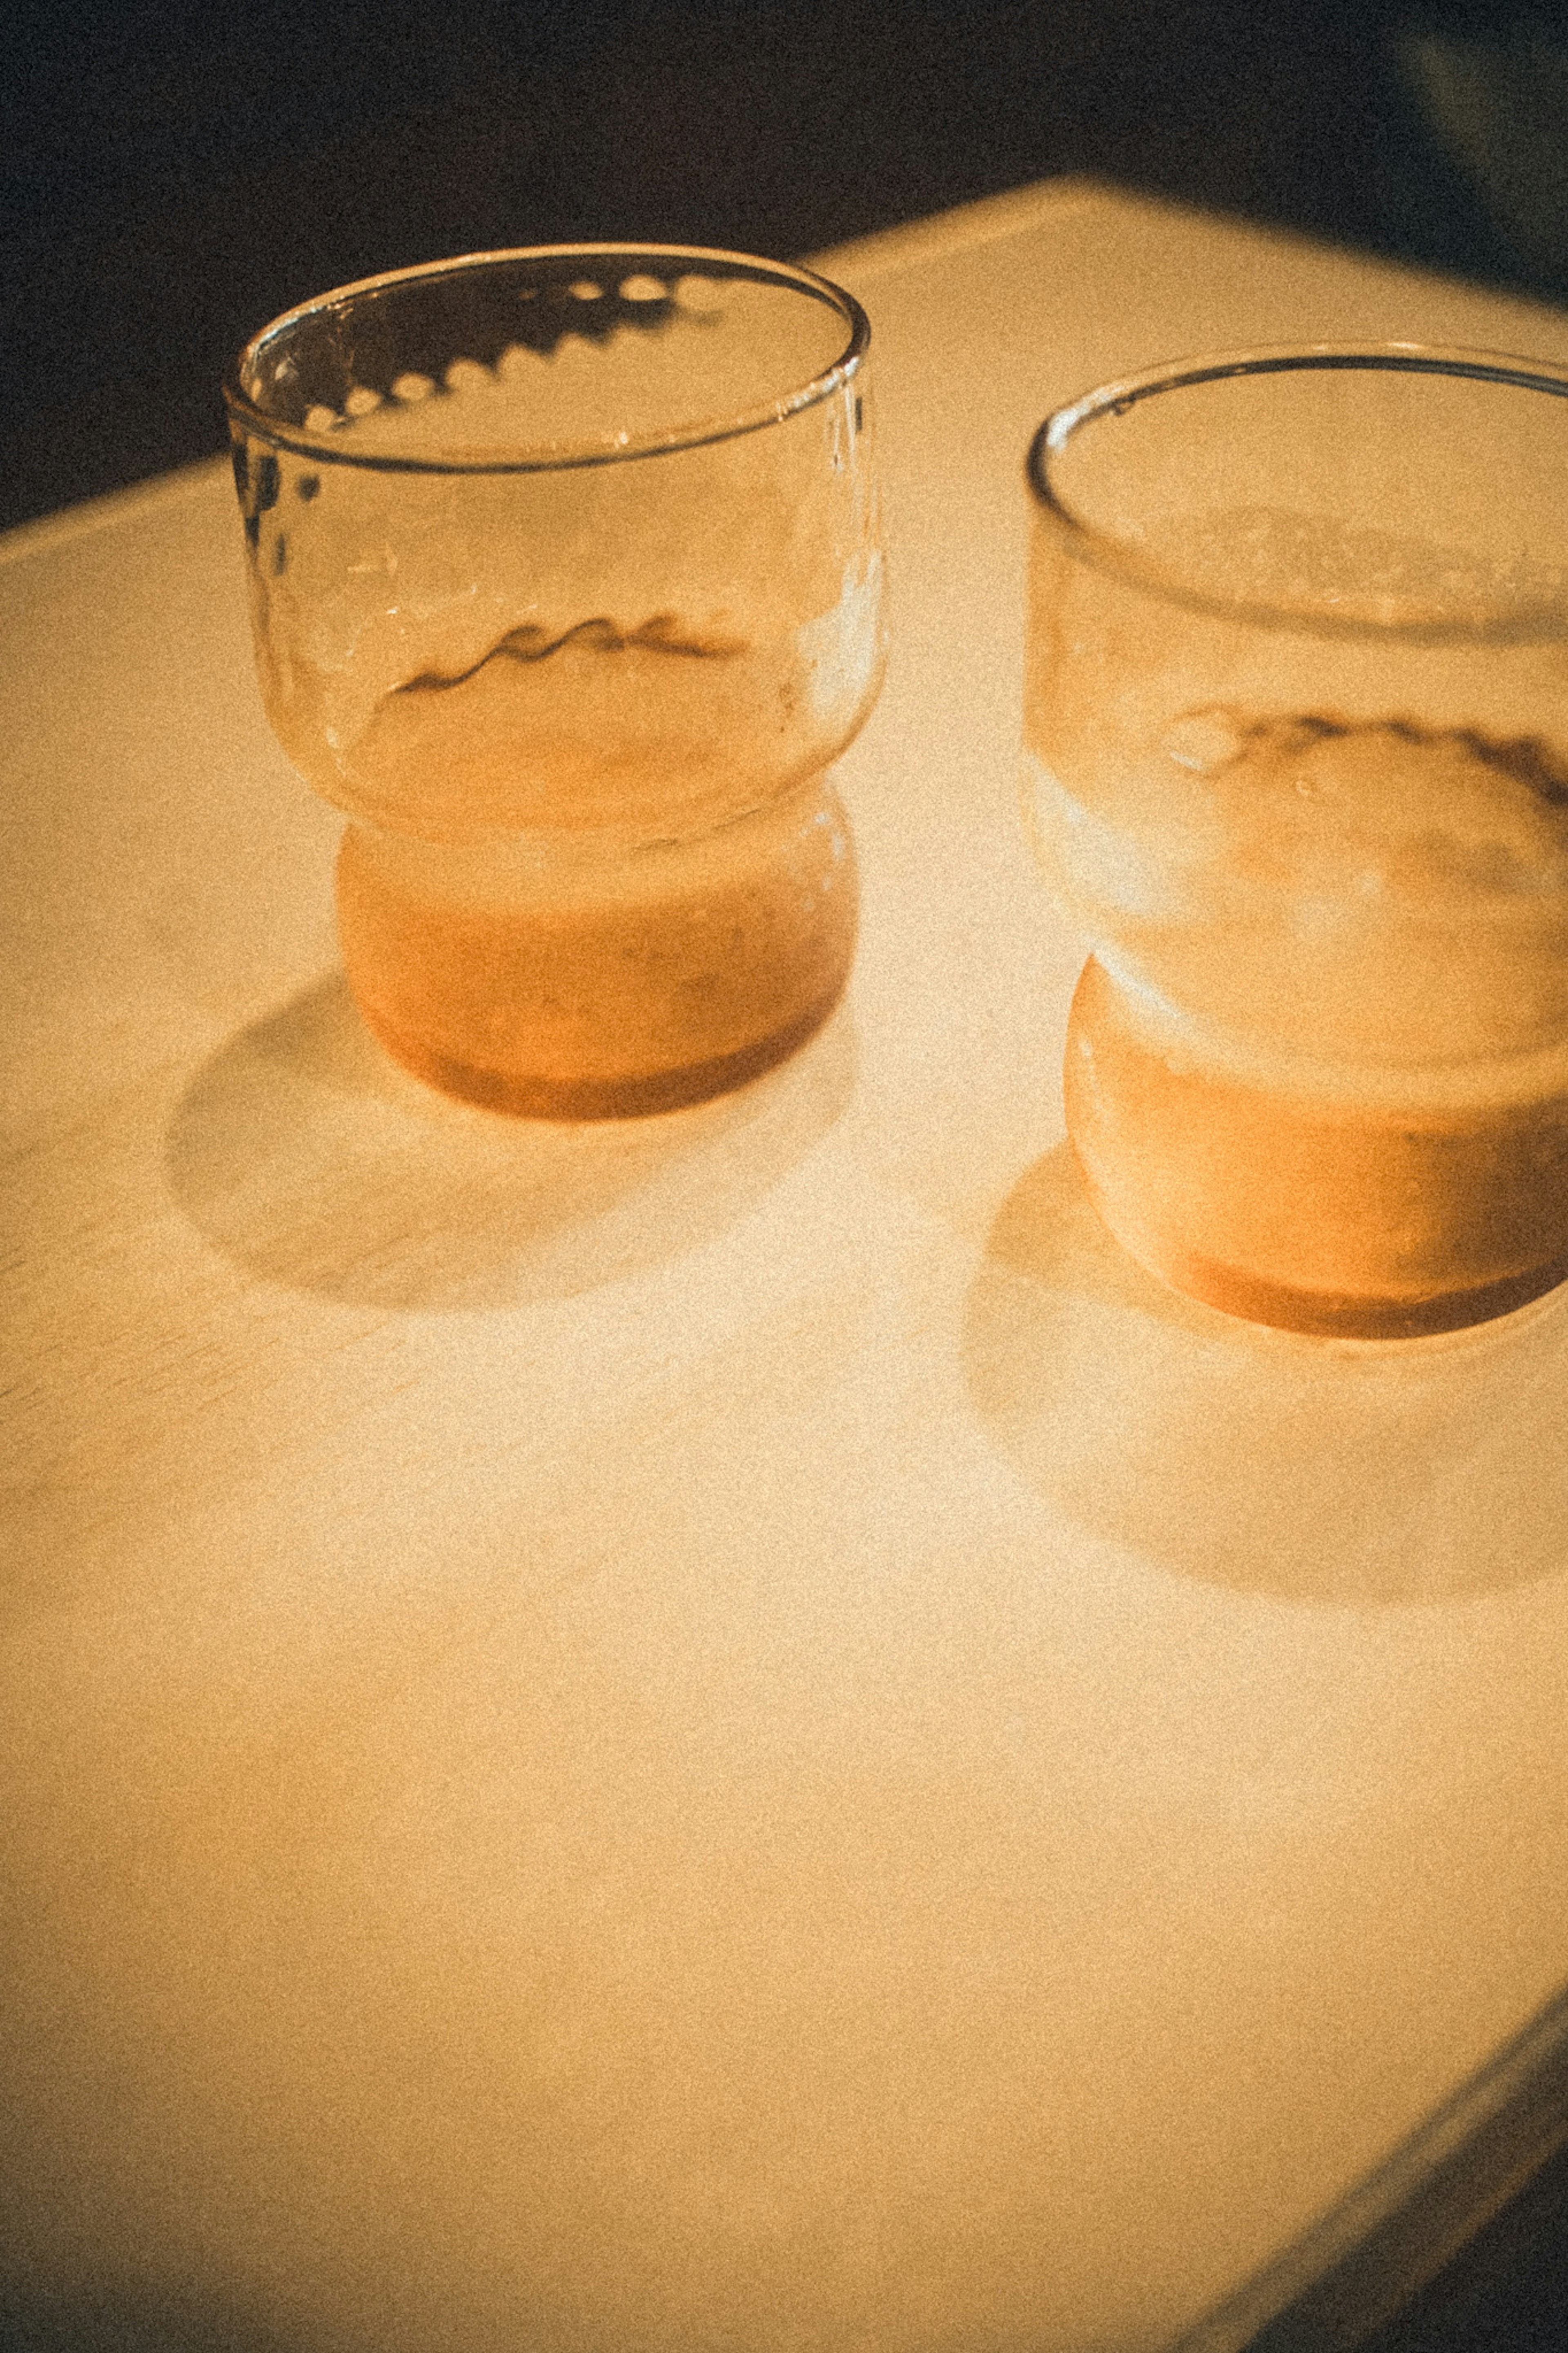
(1317,1070)
(573,987)
(1313,1212)
(595,871)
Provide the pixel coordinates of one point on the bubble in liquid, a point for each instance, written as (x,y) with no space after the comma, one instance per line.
(1203,740)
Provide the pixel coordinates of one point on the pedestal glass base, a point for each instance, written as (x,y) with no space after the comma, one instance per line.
(575,986)
(1320,1209)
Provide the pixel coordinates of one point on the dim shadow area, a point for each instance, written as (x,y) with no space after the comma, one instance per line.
(100,2320)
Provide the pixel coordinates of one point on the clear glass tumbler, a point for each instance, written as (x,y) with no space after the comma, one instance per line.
(565,584)
(1297,759)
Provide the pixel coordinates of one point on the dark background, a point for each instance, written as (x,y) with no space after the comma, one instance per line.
(172,175)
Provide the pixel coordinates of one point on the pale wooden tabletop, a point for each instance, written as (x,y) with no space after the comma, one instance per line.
(725,1731)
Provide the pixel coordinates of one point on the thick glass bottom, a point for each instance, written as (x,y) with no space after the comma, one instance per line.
(1312,1212)
(604,989)
(633,1097)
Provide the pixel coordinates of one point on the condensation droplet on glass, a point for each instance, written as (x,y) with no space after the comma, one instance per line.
(361,400)
(699,293)
(642,289)
(321,421)
(412,386)
(585,289)
(1202,741)
(518,360)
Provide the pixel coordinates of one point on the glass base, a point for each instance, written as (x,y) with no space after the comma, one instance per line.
(1312,1213)
(527,1096)
(602,987)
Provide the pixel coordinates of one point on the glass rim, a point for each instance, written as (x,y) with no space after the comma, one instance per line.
(1114,555)
(553,458)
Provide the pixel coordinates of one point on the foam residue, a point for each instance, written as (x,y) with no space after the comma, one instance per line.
(1363,890)
(1316,565)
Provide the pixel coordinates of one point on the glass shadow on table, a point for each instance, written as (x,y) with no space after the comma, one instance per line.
(1346,1472)
(304,1151)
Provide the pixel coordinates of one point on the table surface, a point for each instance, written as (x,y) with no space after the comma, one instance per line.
(725,1732)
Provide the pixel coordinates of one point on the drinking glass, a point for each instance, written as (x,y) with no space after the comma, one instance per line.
(1296,761)
(565,585)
